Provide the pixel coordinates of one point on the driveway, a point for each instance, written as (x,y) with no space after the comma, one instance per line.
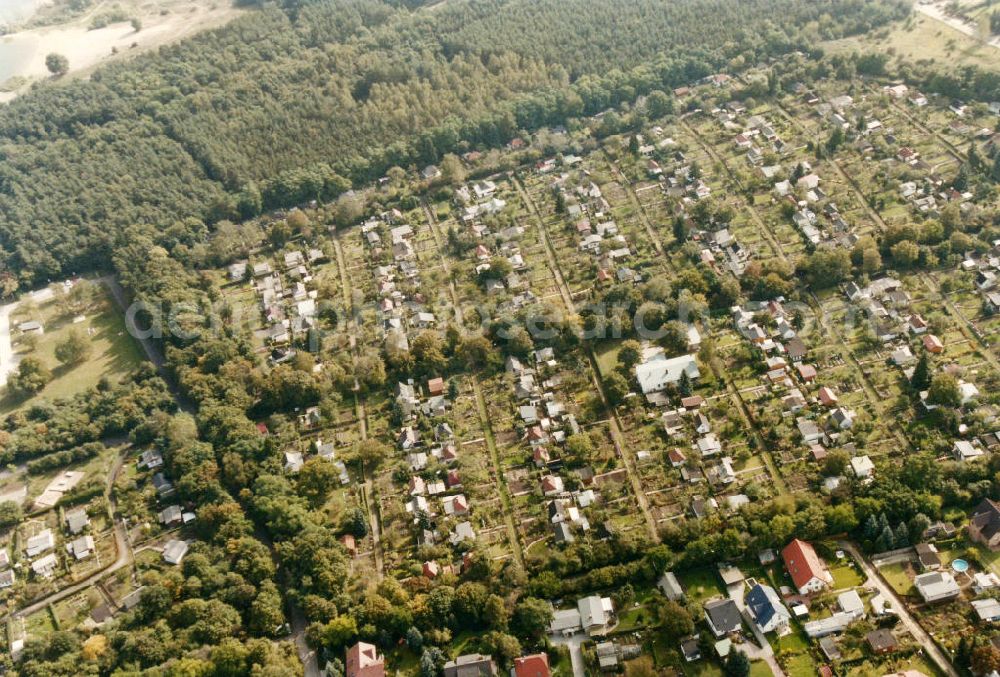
(876,581)
(762,650)
(575,652)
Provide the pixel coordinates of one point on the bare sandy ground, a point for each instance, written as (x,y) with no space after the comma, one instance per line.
(86,49)
(936,10)
(8,358)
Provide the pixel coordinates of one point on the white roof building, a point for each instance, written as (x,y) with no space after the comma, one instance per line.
(937,586)
(45,566)
(174,551)
(595,614)
(659,371)
(850,603)
(862,466)
(40,542)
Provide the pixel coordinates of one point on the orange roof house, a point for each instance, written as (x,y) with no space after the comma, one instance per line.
(807,372)
(535,665)
(363,661)
(435,386)
(347,540)
(827,397)
(805,567)
(933,344)
(692,402)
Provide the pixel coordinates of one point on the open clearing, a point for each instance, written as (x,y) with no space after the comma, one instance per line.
(22,54)
(113,351)
(923,39)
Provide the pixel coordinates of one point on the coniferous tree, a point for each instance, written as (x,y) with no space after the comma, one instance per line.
(921,378)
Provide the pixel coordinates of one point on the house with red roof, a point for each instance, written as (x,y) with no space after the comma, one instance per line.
(535,665)
(363,661)
(552,485)
(692,402)
(435,386)
(807,570)
(933,344)
(541,456)
(807,372)
(828,397)
(347,540)
(677,458)
(431,570)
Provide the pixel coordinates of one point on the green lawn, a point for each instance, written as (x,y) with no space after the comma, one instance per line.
(702,668)
(607,356)
(845,576)
(897,577)
(794,642)
(800,665)
(927,39)
(701,584)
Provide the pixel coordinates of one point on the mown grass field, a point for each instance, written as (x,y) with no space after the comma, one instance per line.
(113,352)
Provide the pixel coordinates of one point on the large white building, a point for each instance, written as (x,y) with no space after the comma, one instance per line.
(658,371)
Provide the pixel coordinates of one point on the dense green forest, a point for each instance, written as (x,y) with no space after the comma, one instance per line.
(282,106)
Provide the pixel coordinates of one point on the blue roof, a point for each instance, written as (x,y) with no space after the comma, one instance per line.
(764,604)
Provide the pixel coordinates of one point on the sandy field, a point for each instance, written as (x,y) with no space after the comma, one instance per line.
(22,54)
(936,10)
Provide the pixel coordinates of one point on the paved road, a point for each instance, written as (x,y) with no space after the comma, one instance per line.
(310,663)
(924,639)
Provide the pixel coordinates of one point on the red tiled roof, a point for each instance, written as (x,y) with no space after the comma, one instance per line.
(363,661)
(802,562)
(692,401)
(827,396)
(933,343)
(536,665)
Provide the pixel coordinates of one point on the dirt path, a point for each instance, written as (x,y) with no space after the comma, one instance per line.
(481,408)
(368,486)
(615,425)
(122,546)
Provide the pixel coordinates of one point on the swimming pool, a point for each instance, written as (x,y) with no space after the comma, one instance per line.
(960,565)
